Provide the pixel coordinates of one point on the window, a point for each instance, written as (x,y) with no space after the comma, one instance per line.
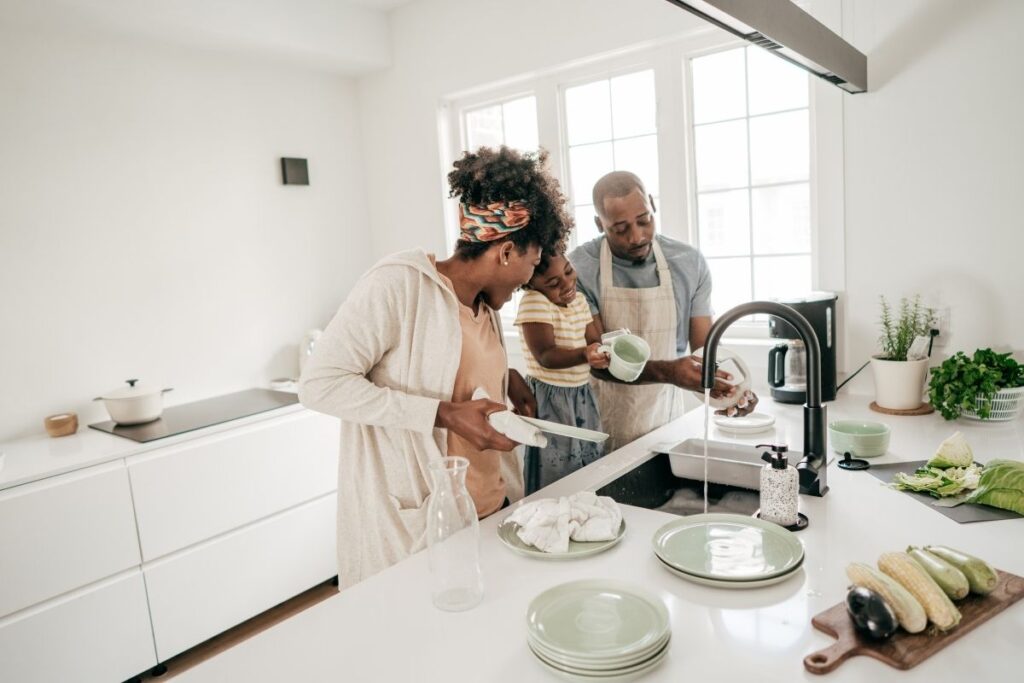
(512,123)
(610,125)
(751,160)
(724,129)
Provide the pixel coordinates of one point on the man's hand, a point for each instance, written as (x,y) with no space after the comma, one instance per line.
(523,401)
(686,373)
(468,419)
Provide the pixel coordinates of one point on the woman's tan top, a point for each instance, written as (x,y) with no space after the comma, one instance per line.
(482,363)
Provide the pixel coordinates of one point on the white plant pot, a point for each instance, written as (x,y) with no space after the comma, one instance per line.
(899,384)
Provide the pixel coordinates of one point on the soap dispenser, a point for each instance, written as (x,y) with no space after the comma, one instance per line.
(780,487)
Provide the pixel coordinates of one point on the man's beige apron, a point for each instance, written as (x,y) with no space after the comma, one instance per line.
(630,411)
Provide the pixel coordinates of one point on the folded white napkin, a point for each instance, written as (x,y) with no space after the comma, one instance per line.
(550,523)
(512,426)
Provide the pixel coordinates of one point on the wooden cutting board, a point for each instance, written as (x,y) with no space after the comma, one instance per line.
(905,650)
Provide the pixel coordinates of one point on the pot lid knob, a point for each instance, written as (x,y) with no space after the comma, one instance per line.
(131,382)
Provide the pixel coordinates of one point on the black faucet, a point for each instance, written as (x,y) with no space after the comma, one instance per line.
(812,466)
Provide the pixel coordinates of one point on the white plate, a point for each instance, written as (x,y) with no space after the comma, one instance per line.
(748,424)
(507,532)
(567,430)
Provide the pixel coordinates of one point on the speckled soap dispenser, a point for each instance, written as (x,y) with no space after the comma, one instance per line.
(780,487)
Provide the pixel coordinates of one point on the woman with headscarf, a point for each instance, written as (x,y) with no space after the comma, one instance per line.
(415,338)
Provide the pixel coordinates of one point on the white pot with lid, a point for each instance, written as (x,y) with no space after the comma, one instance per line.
(134,404)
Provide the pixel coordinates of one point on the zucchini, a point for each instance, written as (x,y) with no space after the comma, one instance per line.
(950,579)
(981,577)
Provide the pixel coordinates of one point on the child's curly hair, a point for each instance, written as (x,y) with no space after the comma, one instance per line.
(506,175)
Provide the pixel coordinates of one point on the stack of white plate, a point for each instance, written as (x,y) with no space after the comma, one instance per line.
(728,551)
(598,630)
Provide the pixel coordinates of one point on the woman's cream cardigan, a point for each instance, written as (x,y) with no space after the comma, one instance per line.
(384,363)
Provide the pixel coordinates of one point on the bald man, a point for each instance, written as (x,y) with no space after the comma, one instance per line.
(659,289)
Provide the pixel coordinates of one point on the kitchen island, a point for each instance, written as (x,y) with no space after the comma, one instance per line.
(386,628)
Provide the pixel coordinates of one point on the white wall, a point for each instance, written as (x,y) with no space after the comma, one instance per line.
(144,230)
(932,162)
(933,167)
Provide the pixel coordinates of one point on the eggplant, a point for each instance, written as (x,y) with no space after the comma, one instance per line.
(871,614)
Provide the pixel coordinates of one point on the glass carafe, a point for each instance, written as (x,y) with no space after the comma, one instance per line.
(453,538)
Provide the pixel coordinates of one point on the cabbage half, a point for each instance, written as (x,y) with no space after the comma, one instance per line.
(1001,486)
(953,452)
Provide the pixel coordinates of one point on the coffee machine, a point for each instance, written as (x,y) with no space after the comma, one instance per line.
(787,360)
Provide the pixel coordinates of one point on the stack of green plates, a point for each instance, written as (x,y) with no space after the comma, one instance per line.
(728,551)
(598,630)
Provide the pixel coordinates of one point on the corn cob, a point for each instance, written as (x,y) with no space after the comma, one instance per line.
(950,579)
(909,611)
(980,576)
(937,605)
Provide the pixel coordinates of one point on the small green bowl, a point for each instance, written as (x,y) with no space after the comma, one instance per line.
(861,439)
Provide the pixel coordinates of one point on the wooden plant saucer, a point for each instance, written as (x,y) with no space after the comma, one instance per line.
(923,409)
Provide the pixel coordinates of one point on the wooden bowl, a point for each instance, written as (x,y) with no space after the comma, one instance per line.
(62,424)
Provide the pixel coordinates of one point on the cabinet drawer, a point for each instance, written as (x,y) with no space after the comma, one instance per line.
(99,633)
(63,533)
(206,589)
(187,493)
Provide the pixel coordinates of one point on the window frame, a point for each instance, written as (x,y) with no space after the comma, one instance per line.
(677,211)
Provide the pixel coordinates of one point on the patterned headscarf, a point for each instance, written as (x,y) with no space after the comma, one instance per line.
(492,221)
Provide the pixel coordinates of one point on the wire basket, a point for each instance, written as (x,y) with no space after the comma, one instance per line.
(1006,405)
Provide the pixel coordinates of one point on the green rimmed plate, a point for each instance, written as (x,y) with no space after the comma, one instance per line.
(597,619)
(507,533)
(610,675)
(733,585)
(725,547)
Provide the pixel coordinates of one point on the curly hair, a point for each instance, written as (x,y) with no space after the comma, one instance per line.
(506,175)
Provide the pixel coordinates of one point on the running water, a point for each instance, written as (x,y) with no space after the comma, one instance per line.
(707,410)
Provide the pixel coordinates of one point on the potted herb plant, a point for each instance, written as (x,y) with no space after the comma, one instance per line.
(899,383)
(987,386)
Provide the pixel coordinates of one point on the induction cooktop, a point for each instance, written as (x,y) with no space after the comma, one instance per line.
(191,416)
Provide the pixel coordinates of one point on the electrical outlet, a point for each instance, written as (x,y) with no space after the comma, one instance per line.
(942,318)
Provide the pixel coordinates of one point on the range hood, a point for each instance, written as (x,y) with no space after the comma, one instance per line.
(787,31)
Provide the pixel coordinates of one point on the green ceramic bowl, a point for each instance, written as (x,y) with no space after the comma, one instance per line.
(860,438)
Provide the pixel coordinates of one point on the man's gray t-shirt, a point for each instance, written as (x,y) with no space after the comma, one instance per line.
(691,279)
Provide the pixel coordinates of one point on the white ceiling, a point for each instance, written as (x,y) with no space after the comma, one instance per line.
(346,36)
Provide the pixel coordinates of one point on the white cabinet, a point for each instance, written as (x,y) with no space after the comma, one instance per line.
(199,592)
(63,533)
(229,525)
(187,493)
(99,633)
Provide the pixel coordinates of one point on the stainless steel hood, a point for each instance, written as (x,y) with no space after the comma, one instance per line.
(784,29)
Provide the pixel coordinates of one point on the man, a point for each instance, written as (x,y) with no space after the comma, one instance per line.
(658,288)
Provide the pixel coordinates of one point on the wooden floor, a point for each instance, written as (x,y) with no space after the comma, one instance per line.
(247,629)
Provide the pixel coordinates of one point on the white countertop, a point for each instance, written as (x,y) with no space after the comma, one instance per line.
(42,456)
(386,629)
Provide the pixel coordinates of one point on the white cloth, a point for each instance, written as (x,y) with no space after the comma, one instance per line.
(550,523)
(513,426)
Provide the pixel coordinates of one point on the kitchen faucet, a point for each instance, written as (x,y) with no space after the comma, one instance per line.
(812,466)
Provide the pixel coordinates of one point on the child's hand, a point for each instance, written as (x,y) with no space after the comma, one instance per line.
(597,359)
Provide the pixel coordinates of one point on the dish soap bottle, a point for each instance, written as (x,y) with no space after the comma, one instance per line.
(779,487)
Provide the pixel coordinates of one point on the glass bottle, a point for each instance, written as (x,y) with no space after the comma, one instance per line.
(453,538)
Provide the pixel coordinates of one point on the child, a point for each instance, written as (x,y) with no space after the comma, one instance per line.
(560,342)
